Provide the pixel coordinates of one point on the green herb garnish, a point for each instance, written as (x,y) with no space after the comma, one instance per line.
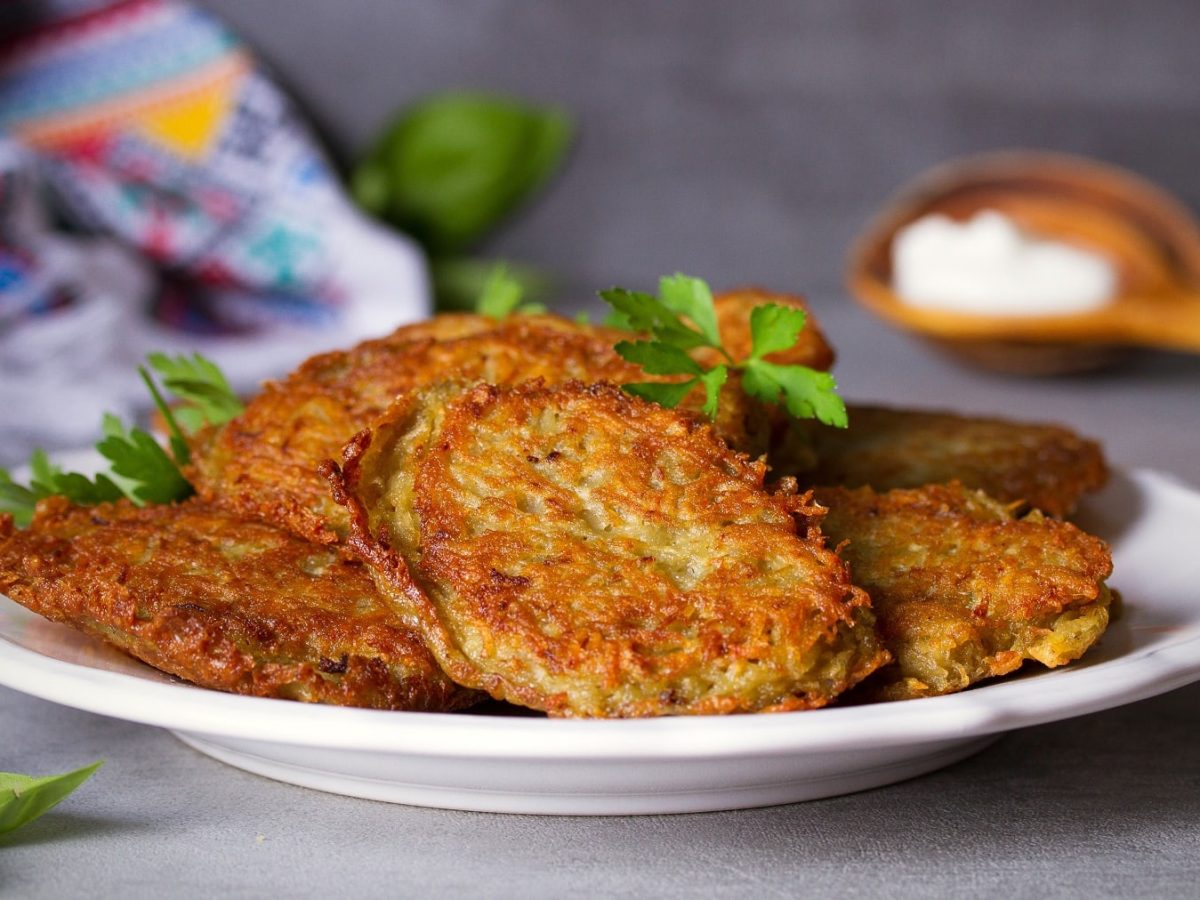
(501,296)
(207,398)
(16,500)
(682,318)
(23,799)
(139,467)
(46,480)
(147,474)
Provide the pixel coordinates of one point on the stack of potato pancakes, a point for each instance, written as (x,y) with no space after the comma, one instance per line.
(472,508)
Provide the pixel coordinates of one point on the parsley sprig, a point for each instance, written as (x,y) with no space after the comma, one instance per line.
(682,317)
(205,395)
(140,468)
(501,296)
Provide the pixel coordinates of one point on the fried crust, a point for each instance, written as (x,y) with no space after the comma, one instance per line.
(963,589)
(580,551)
(263,464)
(231,605)
(1045,466)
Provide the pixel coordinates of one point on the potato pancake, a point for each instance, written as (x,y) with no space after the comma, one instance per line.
(963,589)
(231,605)
(263,464)
(578,550)
(1045,466)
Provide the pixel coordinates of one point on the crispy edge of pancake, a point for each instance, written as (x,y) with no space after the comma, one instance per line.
(519,637)
(1048,467)
(225,604)
(964,589)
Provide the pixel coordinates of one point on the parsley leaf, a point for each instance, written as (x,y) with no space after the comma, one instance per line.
(46,479)
(207,397)
(501,296)
(658,358)
(713,380)
(23,799)
(618,320)
(645,312)
(458,282)
(152,475)
(179,444)
(16,500)
(664,393)
(139,467)
(682,317)
(773,328)
(807,393)
(691,297)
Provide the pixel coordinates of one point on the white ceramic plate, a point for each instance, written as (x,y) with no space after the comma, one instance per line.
(536,765)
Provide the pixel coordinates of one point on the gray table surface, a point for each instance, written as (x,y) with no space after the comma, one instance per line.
(742,142)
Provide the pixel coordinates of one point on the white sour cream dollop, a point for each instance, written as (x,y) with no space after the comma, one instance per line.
(988,265)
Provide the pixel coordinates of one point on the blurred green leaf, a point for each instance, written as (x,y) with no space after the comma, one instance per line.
(448,169)
(459,283)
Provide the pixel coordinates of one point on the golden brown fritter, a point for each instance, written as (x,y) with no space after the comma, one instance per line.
(226,604)
(263,464)
(733,321)
(963,590)
(581,551)
(1045,466)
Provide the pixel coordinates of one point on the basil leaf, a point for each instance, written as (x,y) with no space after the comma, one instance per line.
(23,799)
(448,169)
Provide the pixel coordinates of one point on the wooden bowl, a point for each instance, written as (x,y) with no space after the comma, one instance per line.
(1152,240)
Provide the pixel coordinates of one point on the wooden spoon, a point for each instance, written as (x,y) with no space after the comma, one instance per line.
(1151,239)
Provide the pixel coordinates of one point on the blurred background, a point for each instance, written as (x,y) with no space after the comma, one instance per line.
(750,141)
(745,143)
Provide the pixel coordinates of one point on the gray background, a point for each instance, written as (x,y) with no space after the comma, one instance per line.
(741,142)
(749,141)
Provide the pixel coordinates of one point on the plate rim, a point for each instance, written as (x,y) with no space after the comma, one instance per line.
(988,709)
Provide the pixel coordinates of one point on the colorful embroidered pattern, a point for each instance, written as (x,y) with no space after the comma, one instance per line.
(152,123)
